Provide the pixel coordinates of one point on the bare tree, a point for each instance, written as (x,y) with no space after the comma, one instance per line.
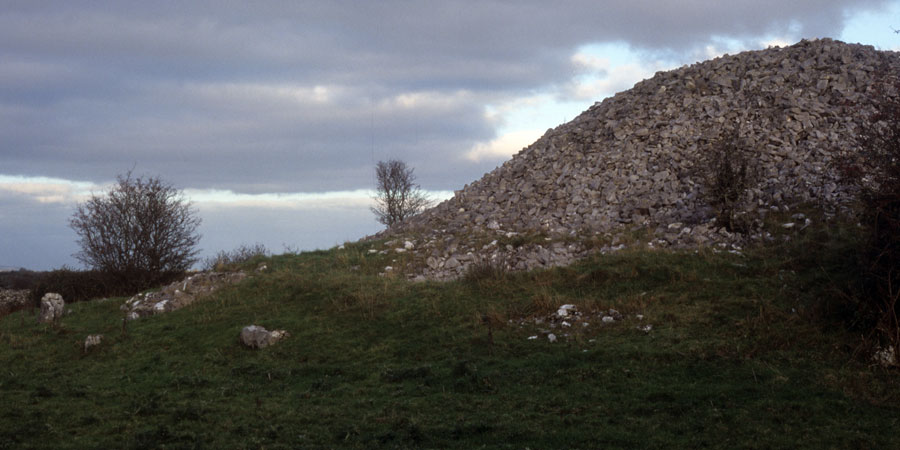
(398,196)
(141,231)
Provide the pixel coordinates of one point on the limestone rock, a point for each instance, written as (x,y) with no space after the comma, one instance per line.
(451,263)
(886,357)
(254,336)
(565,310)
(52,306)
(92,340)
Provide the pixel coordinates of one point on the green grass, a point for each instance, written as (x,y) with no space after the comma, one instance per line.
(745,352)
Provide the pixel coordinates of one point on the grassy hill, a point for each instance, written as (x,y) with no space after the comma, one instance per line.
(756,350)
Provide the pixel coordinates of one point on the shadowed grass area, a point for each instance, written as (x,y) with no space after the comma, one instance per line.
(744,351)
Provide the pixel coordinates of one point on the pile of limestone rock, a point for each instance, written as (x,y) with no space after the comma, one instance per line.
(637,161)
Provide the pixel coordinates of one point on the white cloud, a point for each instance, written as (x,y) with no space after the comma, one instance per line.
(47,190)
(620,78)
(590,63)
(609,77)
(777,42)
(504,146)
(292,201)
(54,190)
(427,100)
(335,200)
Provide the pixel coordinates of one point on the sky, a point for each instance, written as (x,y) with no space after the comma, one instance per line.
(271,115)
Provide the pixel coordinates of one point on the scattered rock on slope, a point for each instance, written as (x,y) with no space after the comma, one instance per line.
(255,336)
(632,162)
(179,294)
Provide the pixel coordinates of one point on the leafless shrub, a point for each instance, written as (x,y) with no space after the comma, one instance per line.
(140,232)
(398,196)
(729,172)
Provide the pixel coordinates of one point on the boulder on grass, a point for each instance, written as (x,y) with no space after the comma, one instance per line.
(52,306)
(254,336)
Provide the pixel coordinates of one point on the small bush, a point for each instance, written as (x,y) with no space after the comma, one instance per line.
(728,172)
(224,260)
(486,272)
(398,197)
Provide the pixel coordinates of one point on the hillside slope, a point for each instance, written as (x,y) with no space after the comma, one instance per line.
(701,350)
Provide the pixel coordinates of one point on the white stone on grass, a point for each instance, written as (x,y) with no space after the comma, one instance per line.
(254,336)
(92,340)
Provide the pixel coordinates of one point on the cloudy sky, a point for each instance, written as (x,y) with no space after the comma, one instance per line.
(271,115)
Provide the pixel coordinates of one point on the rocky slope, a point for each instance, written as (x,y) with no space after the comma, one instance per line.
(638,160)
(179,294)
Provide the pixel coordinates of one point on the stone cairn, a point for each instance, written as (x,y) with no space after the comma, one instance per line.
(632,161)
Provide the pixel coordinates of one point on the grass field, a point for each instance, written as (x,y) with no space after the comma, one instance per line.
(745,351)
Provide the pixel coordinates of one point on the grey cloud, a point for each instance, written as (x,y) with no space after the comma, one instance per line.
(356,41)
(229,141)
(89,89)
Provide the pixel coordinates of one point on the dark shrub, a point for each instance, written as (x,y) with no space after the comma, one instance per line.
(80,285)
(874,169)
(486,273)
(18,279)
(728,172)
